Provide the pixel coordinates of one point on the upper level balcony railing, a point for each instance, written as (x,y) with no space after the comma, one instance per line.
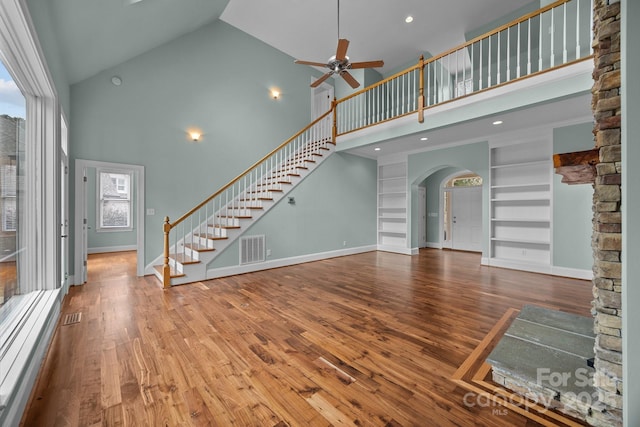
(553,36)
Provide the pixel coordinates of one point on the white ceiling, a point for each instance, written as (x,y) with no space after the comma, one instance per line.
(99,34)
(376,29)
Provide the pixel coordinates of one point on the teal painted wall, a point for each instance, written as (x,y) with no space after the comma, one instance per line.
(207,79)
(106,239)
(41,15)
(630,211)
(572,215)
(432,185)
(335,203)
(473,157)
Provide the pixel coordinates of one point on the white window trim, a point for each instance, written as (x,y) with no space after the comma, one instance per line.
(26,341)
(99,227)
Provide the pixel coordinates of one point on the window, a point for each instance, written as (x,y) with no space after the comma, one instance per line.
(12,152)
(469,180)
(114,201)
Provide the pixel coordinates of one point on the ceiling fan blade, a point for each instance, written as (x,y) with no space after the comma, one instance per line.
(341,52)
(315,64)
(367,64)
(321,79)
(349,79)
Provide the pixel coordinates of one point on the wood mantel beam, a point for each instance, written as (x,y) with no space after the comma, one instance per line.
(578,167)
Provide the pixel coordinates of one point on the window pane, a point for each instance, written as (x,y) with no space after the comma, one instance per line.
(12,173)
(115,213)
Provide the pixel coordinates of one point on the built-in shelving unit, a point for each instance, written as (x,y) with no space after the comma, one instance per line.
(392,206)
(521,208)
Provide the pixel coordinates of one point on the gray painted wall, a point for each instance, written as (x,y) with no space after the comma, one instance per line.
(572,217)
(334,204)
(189,83)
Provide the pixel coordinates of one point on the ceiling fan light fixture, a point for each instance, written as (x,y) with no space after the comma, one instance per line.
(408,19)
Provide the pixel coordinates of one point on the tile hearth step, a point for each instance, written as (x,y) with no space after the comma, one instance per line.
(546,352)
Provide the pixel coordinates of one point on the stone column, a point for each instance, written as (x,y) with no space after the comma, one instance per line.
(607,228)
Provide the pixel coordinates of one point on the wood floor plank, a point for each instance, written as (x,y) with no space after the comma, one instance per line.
(375,339)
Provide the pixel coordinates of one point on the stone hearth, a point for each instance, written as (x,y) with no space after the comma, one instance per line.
(547,356)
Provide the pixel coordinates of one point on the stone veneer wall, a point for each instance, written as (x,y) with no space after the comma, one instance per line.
(607,221)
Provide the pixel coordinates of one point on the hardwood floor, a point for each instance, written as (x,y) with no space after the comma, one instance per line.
(370,339)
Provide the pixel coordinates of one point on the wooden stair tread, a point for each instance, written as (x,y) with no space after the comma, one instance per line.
(211,237)
(226,227)
(199,248)
(248,207)
(236,216)
(183,259)
(173,273)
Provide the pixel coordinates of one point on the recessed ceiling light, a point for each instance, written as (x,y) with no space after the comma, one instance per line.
(116,81)
(377,149)
(424,138)
(497,122)
(408,19)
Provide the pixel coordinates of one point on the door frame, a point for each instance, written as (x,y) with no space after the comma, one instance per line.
(80,247)
(441,203)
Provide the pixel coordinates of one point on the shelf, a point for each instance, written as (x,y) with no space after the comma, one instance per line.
(511,240)
(515,165)
(393,193)
(530,185)
(393,233)
(393,178)
(387,209)
(392,219)
(539,220)
(522,199)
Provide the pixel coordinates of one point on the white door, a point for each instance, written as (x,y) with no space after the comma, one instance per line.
(321,99)
(422,226)
(466,207)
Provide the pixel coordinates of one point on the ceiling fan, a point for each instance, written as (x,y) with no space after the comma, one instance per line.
(339,63)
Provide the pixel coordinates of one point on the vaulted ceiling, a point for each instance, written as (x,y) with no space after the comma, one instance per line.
(96,35)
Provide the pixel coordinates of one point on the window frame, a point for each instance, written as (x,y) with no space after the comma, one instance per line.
(100,227)
(30,326)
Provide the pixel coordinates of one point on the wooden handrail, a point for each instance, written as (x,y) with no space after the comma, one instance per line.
(426,62)
(236,179)
(499,29)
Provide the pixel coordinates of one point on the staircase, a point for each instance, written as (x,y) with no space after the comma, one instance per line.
(195,239)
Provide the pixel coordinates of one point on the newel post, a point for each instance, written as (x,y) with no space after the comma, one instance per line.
(334,129)
(421,103)
(166,269)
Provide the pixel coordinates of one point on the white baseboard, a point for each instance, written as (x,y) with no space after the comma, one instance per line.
(574,273)
(484,261)
(284,262)
(108,249)
(433,245)
(397,249)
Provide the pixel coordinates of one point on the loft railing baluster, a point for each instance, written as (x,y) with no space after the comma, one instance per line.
(578,49)
(564,33)
(540,43)
(553,36)
(529,46)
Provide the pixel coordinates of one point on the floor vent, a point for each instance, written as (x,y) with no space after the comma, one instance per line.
(72,318)
(252,249)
